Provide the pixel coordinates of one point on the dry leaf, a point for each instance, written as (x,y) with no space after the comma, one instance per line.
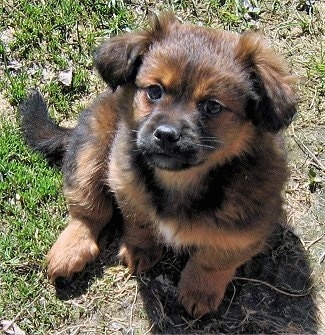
(65,77)
(11,328)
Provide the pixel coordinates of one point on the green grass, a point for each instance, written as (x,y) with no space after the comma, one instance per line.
(55,36)
(38,40)
(32,210)
(316,69)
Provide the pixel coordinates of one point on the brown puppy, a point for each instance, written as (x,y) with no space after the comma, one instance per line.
(186,142)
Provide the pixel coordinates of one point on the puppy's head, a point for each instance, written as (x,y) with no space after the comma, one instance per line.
(198,94)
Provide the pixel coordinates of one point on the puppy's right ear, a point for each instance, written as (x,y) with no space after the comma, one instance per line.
(119,58)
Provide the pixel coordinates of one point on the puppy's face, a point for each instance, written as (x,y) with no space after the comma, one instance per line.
(199,94)
(191,99)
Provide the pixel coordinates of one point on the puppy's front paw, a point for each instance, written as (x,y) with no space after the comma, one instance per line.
(74,248)
(137,259)
(201,301)
(201,291)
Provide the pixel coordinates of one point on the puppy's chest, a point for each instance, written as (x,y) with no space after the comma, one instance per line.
(189,201)
(142,195)
(137,192)
(187,204)
(182,207)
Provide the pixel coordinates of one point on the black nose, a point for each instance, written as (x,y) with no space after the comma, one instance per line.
(166,135)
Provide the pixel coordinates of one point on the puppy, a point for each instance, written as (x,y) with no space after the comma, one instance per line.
(185,140)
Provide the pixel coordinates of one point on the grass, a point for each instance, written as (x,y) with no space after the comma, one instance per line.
(41,39)
(30,199)
(316,70)
(52,37)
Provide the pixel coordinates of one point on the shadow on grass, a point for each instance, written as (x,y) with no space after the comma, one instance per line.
(252,304)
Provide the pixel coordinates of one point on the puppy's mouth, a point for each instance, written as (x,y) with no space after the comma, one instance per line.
(168,148)
(171,162)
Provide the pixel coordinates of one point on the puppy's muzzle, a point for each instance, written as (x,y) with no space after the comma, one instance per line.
(169,146)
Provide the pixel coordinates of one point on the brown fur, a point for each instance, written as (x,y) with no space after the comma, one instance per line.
(210,183)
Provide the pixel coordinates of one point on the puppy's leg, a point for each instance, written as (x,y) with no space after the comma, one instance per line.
(205,278)
(139,250)
(75,247)
(88,196)
(90,209)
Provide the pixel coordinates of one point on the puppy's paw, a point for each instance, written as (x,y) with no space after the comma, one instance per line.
(74,248)
(137,259)
(199,302)
(201,291)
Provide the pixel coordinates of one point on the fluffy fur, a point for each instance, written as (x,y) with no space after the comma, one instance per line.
(186,141)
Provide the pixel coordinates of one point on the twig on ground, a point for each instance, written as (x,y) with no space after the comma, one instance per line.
(149,330)
(132,306)
(315,241)
(232,299)
(321,258)
(307,151)
(74,329)
(273,287)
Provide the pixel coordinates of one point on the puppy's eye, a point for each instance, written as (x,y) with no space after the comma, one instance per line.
(211,107)
(154,92)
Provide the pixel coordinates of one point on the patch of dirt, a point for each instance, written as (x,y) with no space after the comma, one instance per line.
(6,110)
(250,305)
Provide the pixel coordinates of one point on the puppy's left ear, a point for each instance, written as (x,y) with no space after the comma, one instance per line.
(272,102)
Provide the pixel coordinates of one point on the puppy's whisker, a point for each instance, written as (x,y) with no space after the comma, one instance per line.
(210,139)
(205,146)
(214,143)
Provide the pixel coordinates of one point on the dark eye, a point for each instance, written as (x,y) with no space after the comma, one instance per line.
(211,107)
(154,92)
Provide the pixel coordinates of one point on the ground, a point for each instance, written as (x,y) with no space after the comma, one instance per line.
(280,291)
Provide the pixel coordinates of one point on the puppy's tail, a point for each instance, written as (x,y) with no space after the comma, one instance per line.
(40,132)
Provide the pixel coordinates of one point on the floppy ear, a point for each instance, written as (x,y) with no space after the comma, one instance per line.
(118,58)
(272,104)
